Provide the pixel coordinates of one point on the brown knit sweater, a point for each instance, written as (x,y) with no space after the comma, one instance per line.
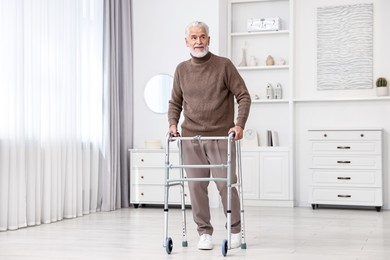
(204,88)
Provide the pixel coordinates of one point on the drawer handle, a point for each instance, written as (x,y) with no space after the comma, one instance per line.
(343,178)
(142,177)
(361,135)
(142,160)
(344,196)
(343,147)
(142,194)
(343,161)
(325,135)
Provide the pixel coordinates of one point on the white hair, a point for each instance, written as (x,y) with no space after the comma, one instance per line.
(197,24)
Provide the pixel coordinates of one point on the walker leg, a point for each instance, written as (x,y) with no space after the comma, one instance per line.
(229,200)
(167,241)
(183,204)
(184,218)
(168,246)
(240,191)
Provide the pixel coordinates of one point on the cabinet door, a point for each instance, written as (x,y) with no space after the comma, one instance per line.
(250,174)
(274,176)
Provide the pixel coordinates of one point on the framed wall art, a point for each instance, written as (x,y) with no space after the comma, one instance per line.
(345,47)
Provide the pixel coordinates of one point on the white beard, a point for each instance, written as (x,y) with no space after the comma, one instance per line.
(199,54)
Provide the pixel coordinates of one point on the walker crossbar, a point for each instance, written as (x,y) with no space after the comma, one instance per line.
(196,179)
(198,166)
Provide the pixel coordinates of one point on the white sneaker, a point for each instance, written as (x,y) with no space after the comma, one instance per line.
(235,241)
(205,242)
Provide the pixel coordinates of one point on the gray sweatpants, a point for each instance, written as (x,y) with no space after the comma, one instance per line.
(210,152)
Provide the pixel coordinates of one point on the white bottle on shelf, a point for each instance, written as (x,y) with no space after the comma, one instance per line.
(278,91)
(270,91)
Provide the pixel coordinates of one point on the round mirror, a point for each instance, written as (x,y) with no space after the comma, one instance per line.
(158,92)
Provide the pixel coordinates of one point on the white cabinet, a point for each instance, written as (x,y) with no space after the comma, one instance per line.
(251,175)
(346,167)
(265,175)
(147,178)
(274,178)
(266,179)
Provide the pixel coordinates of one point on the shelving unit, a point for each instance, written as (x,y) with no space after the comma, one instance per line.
(266,114)
(259,45)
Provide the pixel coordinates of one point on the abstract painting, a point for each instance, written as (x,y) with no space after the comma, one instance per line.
(345,47)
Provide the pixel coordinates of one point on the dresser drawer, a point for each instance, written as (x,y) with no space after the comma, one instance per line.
(344,196)
(347,178)
(152,160)
(154,194)
(344,135)
(347,162)
(152,175)
(368,147)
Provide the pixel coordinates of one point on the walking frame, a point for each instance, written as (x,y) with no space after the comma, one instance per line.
(226,243)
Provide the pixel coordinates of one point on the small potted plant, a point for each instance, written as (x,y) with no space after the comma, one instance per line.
(381,87)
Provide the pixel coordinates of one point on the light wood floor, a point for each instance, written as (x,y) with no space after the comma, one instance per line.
(271,233)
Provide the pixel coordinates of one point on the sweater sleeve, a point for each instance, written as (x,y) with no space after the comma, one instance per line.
(176,102)
(241,93)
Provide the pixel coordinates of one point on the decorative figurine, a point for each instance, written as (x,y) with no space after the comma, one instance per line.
(270,91)
(278,91)
(280,61)
(252,61)
(269,61)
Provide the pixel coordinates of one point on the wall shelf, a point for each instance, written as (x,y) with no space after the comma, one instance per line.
(262,101)
(316,100)
(273,67)
(238,34)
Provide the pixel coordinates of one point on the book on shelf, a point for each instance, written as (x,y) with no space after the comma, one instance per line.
(272,138)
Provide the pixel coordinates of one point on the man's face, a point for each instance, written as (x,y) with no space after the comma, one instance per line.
(198,41)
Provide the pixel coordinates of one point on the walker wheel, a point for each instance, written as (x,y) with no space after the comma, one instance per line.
(224,247)
(168,245)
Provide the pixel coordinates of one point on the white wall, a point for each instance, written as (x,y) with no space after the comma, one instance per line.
(159,45)
(336,114)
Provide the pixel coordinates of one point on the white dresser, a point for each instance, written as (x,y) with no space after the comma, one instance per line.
(147,178)
(346,167)
(266,177)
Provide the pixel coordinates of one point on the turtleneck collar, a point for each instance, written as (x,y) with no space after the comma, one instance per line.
(205,58)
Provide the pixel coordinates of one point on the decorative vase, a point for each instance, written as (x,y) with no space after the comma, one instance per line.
(269,61)
(278,91)
(243,61)
(270,91)
(252,61)
(280,61)
(382,91)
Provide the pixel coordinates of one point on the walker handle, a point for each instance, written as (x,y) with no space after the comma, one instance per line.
(231,135)
(170,136)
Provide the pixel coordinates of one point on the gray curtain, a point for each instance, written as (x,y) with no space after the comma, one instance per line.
(118,104)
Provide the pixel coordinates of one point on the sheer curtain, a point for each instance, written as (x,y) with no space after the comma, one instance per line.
(118,102)
(51,89)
